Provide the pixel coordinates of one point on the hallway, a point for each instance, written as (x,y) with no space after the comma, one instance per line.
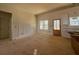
(44,43)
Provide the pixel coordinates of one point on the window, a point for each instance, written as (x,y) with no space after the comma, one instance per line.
(74,21)
(56,24)
(44,24)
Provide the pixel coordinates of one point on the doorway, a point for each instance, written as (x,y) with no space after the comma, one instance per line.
(57,27)
(5,25)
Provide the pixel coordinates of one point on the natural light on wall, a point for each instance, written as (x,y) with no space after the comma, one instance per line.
(74,21)
(43,24)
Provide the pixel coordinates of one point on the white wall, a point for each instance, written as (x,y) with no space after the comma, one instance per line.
(23,23)
(64,16)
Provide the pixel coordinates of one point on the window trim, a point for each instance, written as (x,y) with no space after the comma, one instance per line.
(44,25)
(70,23)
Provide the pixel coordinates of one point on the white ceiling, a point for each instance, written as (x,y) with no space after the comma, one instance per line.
(36,8)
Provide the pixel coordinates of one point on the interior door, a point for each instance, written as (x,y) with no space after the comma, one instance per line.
(5,25)
(57,27)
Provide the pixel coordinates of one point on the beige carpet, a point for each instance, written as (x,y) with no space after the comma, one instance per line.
(44,43)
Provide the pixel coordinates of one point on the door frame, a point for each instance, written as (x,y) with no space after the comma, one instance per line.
(60,26)
(3,13)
